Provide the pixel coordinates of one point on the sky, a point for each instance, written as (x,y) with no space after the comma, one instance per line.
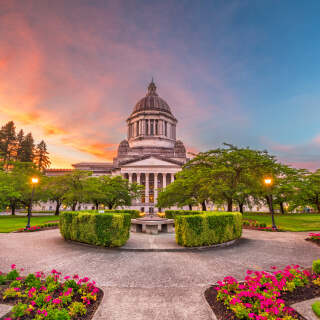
(245,73)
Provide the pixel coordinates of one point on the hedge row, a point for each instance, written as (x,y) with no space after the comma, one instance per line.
(103,229)
(171,214)
(207,229)
(133,213)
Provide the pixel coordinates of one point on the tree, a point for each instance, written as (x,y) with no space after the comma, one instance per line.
(19,141)
(8,141)
(19,178)
(41,158)
(76,191)
(27,148)
(55,189)
(308,193)
(114,191)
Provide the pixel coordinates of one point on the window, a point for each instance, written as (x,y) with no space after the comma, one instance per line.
(147,128)
(142,209)
(50,208)
(143,199)
(165,128)
(258,208)
(93,208)
(151,198)
(151,128)
(43,208)
(156,128)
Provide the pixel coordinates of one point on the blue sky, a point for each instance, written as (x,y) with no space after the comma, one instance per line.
(241,72)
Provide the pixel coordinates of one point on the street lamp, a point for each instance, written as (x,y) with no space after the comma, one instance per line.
(268,182)
(34,182)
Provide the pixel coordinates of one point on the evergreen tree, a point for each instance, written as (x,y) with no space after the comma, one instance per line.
(28,148)
(8,141)
(19,140)
(41,158)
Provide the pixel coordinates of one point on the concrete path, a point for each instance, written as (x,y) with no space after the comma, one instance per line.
(155,285)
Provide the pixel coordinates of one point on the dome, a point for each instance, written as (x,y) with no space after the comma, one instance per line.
(152,101)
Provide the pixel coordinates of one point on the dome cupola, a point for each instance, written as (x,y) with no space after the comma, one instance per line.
(151,123)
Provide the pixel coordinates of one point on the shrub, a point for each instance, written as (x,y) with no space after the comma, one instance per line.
(103,229)
(316,308)
(257,224)
(171,214)
(316,266)
(208,229)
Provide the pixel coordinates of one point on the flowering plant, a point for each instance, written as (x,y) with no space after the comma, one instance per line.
(259,297)
(270,229)
(46,297)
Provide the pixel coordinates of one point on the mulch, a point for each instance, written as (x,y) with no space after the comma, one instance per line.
(314,241)
(91,308)
(300,294)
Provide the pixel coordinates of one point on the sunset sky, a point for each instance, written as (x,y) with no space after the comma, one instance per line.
(241,72)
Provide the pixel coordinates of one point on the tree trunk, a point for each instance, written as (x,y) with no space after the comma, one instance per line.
(281,207)
(318,205)
(204,207)
(57,208)
(230,205)
(241,207)
(190,207)
(97,205)
(110,206)
(13,209)
(74,206)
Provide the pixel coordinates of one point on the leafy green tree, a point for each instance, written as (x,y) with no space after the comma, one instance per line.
(41,158)
(55,189)
(27,148)
(8,141)
(76,188)
(308,193)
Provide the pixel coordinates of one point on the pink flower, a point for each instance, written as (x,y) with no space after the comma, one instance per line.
(47,298)
(67,277)
(44,312)
(33,303)
(75,276)
(18,278)
(56,301)
(13,266)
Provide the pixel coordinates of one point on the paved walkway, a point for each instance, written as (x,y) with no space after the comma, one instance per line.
(155,285)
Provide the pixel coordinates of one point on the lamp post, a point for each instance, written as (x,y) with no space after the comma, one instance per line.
(34,182)
(268,182)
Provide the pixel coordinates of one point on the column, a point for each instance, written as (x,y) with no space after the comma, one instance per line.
(172,177)
(140,127)
(130,177)
(164,181)
(155,186)
(138,178)
(147,188)
(128,131)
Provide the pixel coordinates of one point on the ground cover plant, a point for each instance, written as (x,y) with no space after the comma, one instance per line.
(316,308)
(288,221)
(314,237)
(45,226)
(14,223)
(263,295)
(38,296)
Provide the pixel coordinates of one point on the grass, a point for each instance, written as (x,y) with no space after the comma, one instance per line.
(316,308)
(288,221)
(13,223)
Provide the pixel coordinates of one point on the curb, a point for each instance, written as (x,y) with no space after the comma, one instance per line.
(182,249)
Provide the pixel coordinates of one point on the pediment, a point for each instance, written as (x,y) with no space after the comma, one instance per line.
(151,162)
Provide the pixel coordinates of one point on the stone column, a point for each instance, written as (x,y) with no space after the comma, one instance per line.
(164,180)
(128,131)
(138,178)
(148,127)
(172,177)
(147,188)
(130,177)
(155,187)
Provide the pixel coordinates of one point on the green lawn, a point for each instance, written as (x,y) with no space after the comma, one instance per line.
(12,223)
(289,221)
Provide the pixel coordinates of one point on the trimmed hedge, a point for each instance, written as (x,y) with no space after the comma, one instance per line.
(171,214)
(133,213)
(102,229)
(207,229)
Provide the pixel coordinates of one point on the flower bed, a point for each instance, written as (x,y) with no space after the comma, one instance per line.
(262,226)
(315,238)
(46,226)
(263,295)
(45,297)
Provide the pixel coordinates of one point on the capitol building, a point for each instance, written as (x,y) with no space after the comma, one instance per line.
(150,156)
